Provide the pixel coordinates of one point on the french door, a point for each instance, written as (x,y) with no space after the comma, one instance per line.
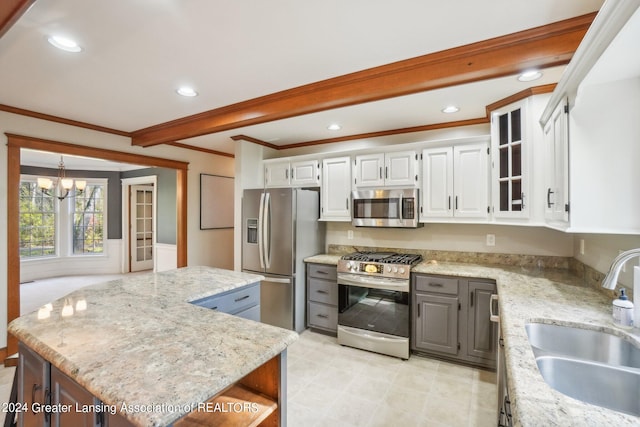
(141,227)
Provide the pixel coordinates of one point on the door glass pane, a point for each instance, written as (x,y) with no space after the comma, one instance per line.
(504,196)
(516,160)
(503,129)
(516,195)
(516,126)
(504,162)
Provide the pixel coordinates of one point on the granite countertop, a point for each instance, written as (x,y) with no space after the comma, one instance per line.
(528,294)
(140,341)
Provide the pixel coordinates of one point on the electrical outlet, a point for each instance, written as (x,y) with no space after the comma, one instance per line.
(581,246)
(491,239)
(350,234)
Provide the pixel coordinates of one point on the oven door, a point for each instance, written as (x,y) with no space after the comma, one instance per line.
(381,306)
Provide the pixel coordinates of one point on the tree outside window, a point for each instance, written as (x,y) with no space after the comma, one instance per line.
(88,220)
(37,222)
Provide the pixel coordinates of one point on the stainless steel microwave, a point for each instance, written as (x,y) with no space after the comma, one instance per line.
(385,208)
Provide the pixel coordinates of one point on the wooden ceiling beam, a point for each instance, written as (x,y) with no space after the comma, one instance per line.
(11,11)
(541,47)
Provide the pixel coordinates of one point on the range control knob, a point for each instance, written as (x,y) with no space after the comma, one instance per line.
(395,269)
(401,270)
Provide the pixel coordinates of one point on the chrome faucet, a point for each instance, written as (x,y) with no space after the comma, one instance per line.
(611,279)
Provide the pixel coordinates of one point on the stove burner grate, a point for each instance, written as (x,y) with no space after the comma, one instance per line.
(383,257)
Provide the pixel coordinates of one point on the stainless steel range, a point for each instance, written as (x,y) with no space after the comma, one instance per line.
(373,301)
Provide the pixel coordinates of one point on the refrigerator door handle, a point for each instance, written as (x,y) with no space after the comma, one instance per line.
(260,231)
(267,230)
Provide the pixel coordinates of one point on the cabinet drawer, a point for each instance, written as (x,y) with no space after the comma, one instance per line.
(251,313)
(323,316)
(441,285)
(323,291)
(321,271)
(233,301)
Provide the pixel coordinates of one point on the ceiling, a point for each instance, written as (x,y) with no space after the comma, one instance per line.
(136,53)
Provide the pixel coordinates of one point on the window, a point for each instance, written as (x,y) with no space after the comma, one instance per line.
(88,220)
(37,221)
(50,227)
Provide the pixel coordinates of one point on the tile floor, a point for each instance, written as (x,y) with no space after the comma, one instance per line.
(332,385)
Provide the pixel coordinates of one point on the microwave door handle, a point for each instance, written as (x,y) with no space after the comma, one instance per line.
(401,208)
(261,231)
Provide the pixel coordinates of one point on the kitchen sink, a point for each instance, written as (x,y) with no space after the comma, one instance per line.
(592,366)
(612,387)
(582,344)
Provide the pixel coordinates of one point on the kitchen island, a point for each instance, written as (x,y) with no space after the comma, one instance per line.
(138,344)
(530,293)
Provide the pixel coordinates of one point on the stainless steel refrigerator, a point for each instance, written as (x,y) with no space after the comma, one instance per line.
(280,228)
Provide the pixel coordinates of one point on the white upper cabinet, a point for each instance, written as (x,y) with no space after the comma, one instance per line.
(556,168)
(471,181)
(286,173)
(437,186)
(398,169)
(510,156)
(601,86)
(305,173)
(277,174)
(335,203)
(455,182)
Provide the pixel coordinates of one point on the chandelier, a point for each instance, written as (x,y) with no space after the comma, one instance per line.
(62,184)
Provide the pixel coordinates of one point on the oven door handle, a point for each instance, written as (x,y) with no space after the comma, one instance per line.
(399,285)
(371,335)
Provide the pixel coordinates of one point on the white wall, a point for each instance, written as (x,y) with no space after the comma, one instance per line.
(457,237)
(205,247)
(108,263)
(601,249)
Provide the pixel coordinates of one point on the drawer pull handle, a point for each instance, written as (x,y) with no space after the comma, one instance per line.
(322,272)
(242,298)
(436,285)
(320,291)
(323,316)
(214,308)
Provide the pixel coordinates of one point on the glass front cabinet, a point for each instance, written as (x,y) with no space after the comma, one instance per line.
(509,147)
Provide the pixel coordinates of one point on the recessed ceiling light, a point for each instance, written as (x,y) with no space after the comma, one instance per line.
(64,43)
(187,91)
(450,109)
(529,76)
(334,126)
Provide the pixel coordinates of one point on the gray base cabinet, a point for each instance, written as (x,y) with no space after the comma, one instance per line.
(322,297)
(33,388)
(242,302)
(42,386)
(450,318)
